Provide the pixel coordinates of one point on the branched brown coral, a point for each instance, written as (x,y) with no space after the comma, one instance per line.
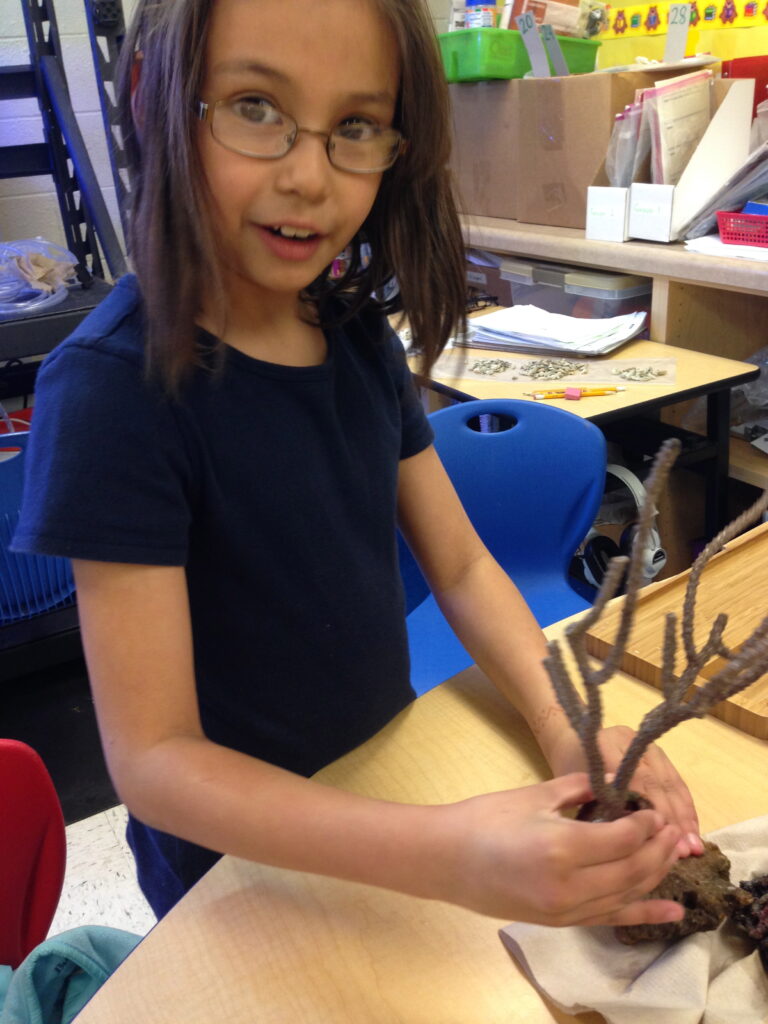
(741,669)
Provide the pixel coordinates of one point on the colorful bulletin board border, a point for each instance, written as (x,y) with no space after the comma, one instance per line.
(651,19)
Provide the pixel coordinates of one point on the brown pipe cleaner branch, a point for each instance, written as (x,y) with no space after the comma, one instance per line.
(680,702)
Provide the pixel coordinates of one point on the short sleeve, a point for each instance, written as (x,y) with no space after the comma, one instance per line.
(108,476)
(417,433)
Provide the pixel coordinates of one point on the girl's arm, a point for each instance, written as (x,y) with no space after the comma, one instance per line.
(507,854)
(492,620)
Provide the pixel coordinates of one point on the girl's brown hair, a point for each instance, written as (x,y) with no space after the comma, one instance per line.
(413,229)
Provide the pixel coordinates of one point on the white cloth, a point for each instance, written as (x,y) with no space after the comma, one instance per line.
(709,978)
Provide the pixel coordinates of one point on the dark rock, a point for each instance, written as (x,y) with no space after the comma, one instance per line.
(750,913)
(702,885)
(592,810)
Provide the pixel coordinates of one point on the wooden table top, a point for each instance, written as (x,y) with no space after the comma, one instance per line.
(695,373)
(256,944)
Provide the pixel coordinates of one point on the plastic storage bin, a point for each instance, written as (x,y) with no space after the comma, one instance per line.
(478,54)
(743,228)
(574,291)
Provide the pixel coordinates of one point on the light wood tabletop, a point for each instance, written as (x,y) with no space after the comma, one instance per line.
(633,414)
(695,373)
(256,944)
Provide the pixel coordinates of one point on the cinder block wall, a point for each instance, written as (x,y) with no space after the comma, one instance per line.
(28,206)
(440,11)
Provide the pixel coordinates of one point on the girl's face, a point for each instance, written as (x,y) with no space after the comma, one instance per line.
(324,63)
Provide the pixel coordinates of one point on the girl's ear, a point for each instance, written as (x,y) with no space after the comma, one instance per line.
(136,109)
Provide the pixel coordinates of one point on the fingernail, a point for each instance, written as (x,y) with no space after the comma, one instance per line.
(683,848)
(695,842)
(674,914)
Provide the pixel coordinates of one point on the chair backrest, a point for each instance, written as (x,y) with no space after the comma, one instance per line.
(530,476)
(12,449)
(32,851)
(29,584)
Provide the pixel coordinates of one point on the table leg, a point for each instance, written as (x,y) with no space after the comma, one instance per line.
(718,432)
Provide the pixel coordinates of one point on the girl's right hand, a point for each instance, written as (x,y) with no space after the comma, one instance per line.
(517,858)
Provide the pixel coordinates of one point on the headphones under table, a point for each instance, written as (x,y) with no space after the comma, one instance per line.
(591,561)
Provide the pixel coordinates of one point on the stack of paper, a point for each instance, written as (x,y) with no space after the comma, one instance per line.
(749,181)
(679,114)
(710,245)
(524,328)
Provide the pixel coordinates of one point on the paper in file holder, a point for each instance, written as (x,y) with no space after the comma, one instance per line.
(664,213)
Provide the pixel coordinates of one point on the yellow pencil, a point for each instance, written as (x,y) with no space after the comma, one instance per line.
(592,392)
(576,392)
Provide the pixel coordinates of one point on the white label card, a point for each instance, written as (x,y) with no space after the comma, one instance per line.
(552,46)
(677,32)
(529,32)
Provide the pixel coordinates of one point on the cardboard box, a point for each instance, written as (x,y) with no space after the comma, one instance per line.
(528,149)
(607,214)
(565,125)
(485,141)
(650,211)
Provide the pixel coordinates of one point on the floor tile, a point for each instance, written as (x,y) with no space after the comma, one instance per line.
(100,883)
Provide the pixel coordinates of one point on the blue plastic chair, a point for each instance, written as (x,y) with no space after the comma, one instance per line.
(532,492)
(29,584)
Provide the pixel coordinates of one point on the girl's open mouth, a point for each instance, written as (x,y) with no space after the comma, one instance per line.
(295,234)
(290,243)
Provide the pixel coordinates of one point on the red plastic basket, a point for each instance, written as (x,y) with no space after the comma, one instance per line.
(743,228)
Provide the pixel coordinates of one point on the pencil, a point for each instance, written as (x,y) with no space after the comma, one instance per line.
(582,392)
(593,392)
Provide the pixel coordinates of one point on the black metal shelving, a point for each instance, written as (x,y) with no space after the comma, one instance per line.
(89,233)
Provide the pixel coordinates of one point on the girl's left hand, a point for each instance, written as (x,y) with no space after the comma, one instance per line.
(656,778)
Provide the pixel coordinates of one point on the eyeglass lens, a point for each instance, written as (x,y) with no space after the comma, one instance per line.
(255,130)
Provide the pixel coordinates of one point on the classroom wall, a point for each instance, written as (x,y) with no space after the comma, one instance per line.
(28,206)
(440,10)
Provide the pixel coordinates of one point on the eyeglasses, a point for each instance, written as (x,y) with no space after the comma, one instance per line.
(253,126)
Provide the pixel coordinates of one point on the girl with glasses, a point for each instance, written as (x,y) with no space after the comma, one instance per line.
(226,446)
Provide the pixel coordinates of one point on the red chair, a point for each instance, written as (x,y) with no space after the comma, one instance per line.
(32,851)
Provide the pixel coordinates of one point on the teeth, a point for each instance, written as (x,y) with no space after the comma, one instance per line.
(289,232)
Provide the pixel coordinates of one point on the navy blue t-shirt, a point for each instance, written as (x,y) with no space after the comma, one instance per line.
(275,487)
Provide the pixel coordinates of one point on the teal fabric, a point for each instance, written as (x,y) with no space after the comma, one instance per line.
(6,975)
(60,975)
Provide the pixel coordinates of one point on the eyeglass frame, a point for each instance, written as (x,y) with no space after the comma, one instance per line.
(205,112)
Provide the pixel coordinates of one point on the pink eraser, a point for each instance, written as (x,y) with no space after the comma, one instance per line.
(574,394)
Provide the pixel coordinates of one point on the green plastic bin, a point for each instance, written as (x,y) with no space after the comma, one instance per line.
(580,54)
(477,54)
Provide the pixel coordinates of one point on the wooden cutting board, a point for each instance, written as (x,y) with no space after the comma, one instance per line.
(735,582)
